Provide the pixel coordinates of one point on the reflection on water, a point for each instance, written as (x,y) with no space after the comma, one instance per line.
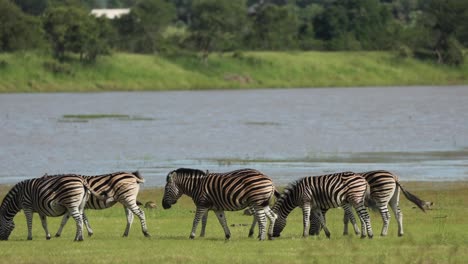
(420,133)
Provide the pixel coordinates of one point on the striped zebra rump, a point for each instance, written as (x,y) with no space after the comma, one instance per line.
(122,187)
(221,192)
(47,196)
(384,192)
(319,193)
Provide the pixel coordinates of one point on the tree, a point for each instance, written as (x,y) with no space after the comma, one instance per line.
(217,25)
(354,24)
(153,17)
(17,30)
(33,7)
(274,28)
(441,22)
(72,29)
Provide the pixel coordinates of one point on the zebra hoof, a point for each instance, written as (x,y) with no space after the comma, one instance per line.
(90,234)
(192,237)
(48,237)
(57,235)
(146,234)
(228,237)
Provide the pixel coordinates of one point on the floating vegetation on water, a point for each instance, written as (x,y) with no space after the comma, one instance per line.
(88,117)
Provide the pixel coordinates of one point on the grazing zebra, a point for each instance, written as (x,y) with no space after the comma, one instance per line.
(231,191)
(122,187)
(383,191)
(316,193)
(47,196)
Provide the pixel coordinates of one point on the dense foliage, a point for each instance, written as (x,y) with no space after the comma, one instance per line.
(426,29)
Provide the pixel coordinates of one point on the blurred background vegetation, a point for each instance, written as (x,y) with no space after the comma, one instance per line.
(433,30)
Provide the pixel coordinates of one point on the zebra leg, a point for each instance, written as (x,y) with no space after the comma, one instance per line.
(62,225)
(305,219)
(394,204)
(385,218)
(315,227)
(349,216)
(78,216)
(261,218)
(272,217)
(365,221)
(203,224)
(318,214)
(44,225)
(198,215)
(137,210)
(129,215)
(222,220)
(254,223)
(28,213)
(88,226)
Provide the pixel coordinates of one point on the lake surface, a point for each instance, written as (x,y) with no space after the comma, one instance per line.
(420,133)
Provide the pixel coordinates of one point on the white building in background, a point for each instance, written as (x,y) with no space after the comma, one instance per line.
(110,13)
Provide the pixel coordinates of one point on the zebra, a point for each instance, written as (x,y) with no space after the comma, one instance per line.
(315,193)
(384,190)
(248,211)
(229,191)
(123,187)
(47,196)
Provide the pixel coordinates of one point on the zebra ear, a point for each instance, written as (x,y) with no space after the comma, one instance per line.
(169,177)
(207,172)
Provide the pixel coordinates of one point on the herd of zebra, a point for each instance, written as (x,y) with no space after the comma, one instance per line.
(68,195)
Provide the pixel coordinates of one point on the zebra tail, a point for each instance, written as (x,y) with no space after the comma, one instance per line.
(277,194)
(139,178)
(368,201)
(413,198)
(101,197)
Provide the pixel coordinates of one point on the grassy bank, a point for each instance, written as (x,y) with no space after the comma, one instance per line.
(36,72)
(438,236)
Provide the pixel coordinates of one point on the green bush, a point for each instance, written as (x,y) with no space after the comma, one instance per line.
(403,51)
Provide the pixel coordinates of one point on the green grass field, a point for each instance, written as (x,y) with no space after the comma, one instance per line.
(37,72)
(438,236)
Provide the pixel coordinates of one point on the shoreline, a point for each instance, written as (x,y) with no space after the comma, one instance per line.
(27,72)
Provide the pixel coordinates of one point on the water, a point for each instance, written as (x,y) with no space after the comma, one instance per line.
(420,133)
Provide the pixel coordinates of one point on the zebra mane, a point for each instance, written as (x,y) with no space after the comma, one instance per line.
(136,173)
(189,171)
(186,172)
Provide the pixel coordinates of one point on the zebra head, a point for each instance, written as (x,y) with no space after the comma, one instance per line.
(171,191)
(6,227)
(280,223)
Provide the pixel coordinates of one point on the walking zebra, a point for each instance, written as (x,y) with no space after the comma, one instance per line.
(121,187)
(231,191)
(383,191)
(47,196)
(316,193)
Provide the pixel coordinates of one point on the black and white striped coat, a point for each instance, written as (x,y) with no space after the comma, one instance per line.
(316,193)
(221,192)
(47,196)
(122,187)
(384,191)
